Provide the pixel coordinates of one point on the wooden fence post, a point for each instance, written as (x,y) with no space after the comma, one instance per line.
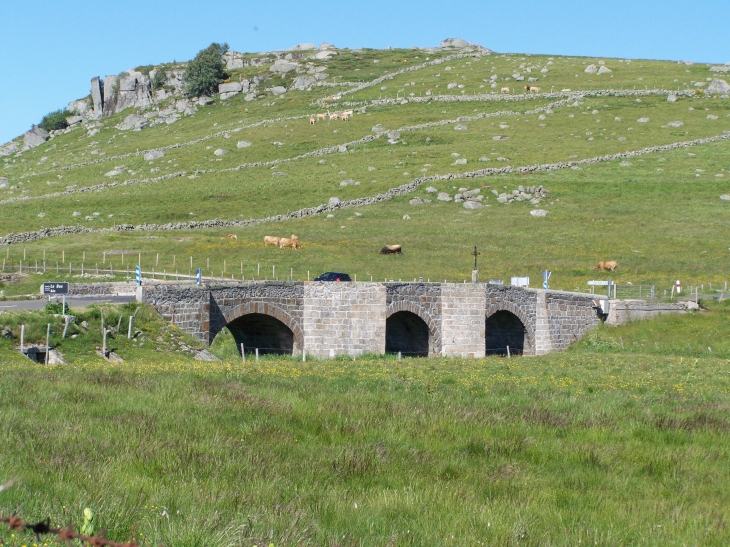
(48,342)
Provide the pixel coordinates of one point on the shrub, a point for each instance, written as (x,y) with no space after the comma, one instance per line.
(205,71)
(159,79)
(56,308)
(55,120)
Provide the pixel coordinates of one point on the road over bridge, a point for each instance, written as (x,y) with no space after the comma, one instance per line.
(426,319)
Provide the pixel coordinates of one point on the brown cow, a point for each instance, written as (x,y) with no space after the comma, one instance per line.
(391,249)
(271,240)
(285,242)
(607,265)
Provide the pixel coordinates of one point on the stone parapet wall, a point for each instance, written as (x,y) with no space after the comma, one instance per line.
(622,311)
(102,289)
(187,306)
(570,316)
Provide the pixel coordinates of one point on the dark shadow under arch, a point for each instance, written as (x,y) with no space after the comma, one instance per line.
(257,330)
(407,333)
(504,329)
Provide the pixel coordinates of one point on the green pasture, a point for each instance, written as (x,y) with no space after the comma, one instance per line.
(598,445)
(659,218)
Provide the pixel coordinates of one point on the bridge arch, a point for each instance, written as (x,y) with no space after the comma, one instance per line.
(508,325)
(411,329)
(262,323)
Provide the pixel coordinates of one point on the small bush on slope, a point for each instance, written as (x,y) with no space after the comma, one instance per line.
(205,71)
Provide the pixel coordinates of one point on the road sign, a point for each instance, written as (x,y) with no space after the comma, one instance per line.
(601,283)
(520,281)
(138,275)
(54,288)
(545,277)
(197,277)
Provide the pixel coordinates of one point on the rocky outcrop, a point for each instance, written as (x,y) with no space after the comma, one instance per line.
(304,47)
(282,67)
(35,137)
(458,43)
(303,82)
(134,91)
(717,87)
(111,88)
(80,106)
(97,97)
(9,148)
(133,121)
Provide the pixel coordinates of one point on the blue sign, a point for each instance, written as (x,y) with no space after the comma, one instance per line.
(197,277)
(138,275)
(545,276)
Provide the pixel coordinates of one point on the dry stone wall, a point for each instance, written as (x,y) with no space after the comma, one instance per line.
(26,237)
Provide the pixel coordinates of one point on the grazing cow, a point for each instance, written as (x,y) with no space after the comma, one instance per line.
(271,240)
(334,116)
(505,89)
(321,116)
(532,89)
(285,242)
(312,120)
(607,265)
(391,249)
(565,90)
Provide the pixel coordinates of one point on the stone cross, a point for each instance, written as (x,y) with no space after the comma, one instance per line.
(475,254)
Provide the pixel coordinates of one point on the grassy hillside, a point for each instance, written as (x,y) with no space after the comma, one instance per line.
(660,217)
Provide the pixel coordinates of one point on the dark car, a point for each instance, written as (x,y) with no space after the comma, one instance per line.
(333,276)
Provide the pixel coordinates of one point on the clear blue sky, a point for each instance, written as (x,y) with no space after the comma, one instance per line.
(50,49)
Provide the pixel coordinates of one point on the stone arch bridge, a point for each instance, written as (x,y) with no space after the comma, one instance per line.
(426,319)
